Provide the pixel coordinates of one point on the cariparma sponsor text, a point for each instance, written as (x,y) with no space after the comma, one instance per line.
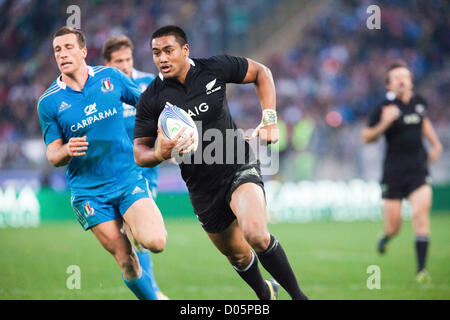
(92,119)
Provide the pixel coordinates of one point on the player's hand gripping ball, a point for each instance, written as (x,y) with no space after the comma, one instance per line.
(173,119)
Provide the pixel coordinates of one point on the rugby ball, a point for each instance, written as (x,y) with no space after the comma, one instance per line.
(172,119)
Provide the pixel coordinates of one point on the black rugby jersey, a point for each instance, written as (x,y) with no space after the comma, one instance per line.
(404,142)
(203,97)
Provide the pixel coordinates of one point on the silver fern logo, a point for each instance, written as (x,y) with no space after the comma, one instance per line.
(210,85)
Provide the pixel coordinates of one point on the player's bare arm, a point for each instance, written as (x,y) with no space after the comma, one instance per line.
(149,154)
(389,114)
(430,134)
(59,153)
(261,76)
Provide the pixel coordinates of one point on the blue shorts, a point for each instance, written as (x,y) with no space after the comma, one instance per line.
(91,210)
(151,174)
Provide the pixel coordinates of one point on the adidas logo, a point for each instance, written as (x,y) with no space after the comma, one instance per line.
(137,190)
(64,106)
(247,173)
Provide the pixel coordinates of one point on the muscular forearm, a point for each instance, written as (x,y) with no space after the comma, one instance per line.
(371,134)
(265,88)
(58,155)
(431,136)
(144,156)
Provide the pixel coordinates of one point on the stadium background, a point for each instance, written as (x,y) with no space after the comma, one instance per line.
(328,69)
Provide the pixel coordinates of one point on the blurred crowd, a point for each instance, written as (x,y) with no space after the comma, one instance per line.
(327,82)
(333,77)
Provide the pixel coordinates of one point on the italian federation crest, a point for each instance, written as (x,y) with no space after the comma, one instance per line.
(88,210)
(107,86)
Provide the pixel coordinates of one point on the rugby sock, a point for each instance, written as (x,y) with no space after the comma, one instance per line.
(252,275)
(145,260)
(382,243)
(274,260)
(142,286)
(421,250)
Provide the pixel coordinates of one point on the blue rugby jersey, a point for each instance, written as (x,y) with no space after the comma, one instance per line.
(97,113)
(142,80)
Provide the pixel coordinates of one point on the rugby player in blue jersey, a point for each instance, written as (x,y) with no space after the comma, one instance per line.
(81,116)
(118,53)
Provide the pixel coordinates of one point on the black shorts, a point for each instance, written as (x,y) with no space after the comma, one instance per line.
(400,186)
(213,208)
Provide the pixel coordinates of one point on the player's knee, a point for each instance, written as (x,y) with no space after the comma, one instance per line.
(154,244)
(151,240)
(256,235)
(259,241)
(158,245)
(420,218)
(421,212)
(239,260)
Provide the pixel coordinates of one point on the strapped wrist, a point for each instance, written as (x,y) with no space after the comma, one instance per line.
(269,116)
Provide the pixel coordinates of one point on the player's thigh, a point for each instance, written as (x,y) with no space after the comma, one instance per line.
(248,203)
(111,237)
(421,199)
(232,244)
(145,221)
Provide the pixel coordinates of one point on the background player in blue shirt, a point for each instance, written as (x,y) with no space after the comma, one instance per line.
(118,53)
(81,117)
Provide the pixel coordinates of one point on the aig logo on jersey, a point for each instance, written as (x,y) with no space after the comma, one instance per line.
(107,86)
(90,109)
(412,118)
(210,85)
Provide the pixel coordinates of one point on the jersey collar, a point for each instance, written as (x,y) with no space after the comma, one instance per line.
(62,85)
(190,61)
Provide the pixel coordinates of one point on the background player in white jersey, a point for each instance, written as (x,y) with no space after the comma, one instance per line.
(83,128)
(118,53)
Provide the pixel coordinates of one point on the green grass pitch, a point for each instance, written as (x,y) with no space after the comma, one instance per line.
(330,260)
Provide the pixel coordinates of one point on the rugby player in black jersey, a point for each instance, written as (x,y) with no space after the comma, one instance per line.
(227,196)
(402,119)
